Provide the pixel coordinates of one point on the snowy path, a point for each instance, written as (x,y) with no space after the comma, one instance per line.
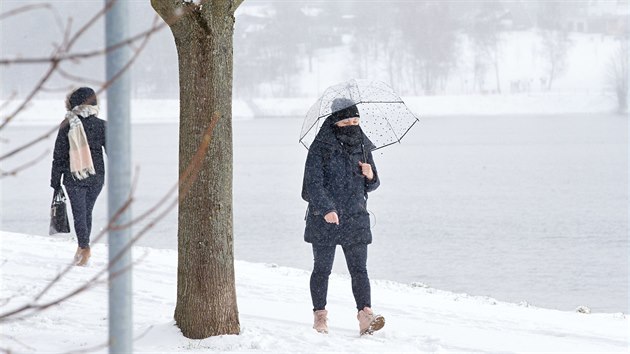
(275,316)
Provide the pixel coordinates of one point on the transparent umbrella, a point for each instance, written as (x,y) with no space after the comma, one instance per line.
(385,119)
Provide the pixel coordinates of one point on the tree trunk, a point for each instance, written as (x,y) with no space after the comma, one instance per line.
(206,293)
(496,68)
(620,75)
(552,75)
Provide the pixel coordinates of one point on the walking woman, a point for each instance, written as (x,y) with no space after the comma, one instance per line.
(339,173)
(78,162)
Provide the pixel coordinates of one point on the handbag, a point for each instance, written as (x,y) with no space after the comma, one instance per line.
(58,214)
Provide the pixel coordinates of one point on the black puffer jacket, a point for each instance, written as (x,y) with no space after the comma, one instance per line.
(333,182)
(95,130)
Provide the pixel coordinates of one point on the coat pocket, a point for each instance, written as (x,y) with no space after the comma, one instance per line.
(319,231)
(356,221)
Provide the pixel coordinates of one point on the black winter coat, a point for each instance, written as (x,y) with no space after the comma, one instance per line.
(95,130)
(333,182)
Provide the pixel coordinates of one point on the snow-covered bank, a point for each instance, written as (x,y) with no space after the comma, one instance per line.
(275,316)
(167,110)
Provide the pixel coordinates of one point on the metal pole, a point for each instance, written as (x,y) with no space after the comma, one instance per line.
(119,178)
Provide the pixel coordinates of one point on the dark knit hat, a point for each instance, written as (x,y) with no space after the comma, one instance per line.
(82,95)
(343,108)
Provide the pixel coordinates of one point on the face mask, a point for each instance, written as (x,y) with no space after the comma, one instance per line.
(351,134)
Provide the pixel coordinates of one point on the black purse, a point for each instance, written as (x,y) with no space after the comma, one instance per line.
(58,214)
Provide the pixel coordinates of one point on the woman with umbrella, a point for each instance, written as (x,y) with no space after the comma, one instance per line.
(339,173)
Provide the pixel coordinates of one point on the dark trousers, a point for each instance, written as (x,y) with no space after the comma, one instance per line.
(82,200)
(356,260)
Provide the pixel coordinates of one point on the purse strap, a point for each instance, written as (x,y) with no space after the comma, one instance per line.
(59,196)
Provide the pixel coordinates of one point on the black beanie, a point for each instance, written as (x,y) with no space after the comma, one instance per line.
(343,108)
(82,95)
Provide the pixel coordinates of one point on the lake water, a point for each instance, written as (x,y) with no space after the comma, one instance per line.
(518,208)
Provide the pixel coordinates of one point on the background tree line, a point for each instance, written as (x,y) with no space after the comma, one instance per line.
(418,47)
(415,46)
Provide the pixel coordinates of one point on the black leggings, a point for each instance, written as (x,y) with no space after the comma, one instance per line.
(356,260)
(82,199)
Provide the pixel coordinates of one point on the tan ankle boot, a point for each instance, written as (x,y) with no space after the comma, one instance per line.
(82,256)
(369,322)
(77,254)
(320,319)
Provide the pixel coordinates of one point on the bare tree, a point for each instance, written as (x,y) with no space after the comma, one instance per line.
(555,46)
(618,74)
(206,292)
(65,52)
(555,37)
(485,34)
(377,35)
(429,30)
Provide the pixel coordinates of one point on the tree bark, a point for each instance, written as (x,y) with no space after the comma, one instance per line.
(206,293)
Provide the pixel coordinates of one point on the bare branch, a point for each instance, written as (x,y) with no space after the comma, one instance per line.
(31,143)
(40,87)
(106,344)
(50,132)
(57,89)
(62,53)
(103,232)
(89,24)
(76,78)
(186,179)
(64,48)
(54,62)
(16,170)
(28,347)
(6,103)
(84,55)
(192,168)
(22,9)
(132,59)
(32,94)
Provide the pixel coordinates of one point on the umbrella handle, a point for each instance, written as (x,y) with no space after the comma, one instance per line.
(365,159)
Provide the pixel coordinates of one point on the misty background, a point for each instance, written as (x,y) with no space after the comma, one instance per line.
(298,48)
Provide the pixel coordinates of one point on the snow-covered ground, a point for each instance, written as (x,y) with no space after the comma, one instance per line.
(275,314)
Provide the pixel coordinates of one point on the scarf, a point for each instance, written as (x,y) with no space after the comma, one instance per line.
(81,164)
(351,135)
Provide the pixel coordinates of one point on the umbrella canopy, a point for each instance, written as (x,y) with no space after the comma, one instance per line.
(385,118)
